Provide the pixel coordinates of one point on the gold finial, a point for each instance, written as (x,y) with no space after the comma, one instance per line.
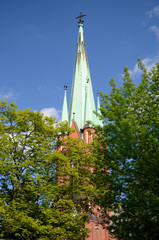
(65,87)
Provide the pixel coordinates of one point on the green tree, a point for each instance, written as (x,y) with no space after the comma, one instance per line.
(40,186)
(131,131)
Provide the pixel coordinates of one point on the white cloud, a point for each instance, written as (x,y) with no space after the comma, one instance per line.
(148,62)
(154,12)
(7,95)
(51,112)
(135,70)
(155,29)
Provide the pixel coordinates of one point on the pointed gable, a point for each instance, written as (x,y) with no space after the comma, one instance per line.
(76,133)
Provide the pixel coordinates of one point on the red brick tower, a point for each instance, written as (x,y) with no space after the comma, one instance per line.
(81,110)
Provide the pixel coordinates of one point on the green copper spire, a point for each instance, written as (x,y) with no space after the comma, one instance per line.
(82,99)
(64,109)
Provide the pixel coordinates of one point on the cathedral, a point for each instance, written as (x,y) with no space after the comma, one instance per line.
(81,110)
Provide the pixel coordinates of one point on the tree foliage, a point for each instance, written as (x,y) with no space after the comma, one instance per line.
(130,114)
(40,186)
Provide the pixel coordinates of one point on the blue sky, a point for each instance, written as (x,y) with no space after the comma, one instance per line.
(38,40)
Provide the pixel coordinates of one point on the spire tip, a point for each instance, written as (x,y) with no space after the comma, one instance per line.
(80,17)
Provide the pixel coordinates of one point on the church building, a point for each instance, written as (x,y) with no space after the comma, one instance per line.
(81,110)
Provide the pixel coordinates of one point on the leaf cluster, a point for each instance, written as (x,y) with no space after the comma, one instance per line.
(130,114)
(43,191)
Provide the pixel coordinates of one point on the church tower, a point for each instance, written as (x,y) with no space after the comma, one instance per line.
(82,104)
(82,109)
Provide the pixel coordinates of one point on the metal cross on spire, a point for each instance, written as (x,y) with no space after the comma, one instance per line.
(80,17)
